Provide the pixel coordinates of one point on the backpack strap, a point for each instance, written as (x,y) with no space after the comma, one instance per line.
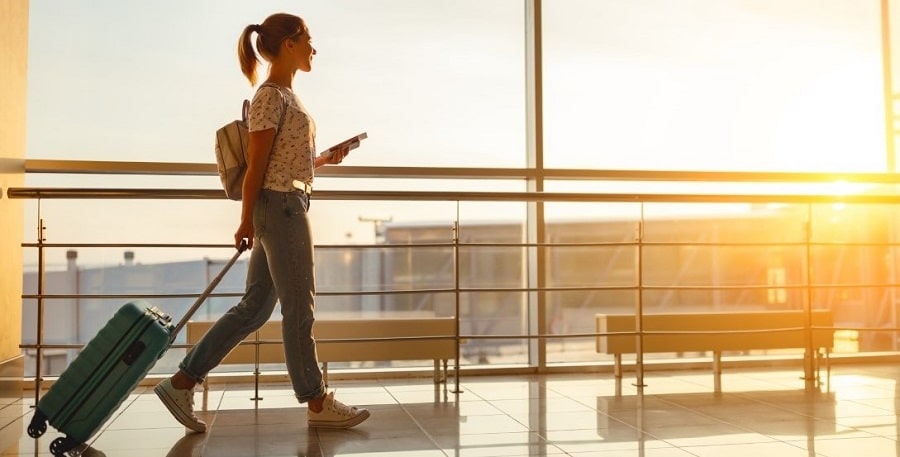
(284,108)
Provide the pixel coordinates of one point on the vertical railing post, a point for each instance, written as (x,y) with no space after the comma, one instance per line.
(639,307)
(809,356)
(457,303)
(256,371)
(39,359)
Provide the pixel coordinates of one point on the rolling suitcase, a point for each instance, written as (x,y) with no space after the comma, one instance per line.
(108,369)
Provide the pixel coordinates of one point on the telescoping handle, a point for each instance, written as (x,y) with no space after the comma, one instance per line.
(212,285)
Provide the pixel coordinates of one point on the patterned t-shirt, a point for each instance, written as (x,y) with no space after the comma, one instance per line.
(293,156)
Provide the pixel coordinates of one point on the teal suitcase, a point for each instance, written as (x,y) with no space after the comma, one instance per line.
(107,370)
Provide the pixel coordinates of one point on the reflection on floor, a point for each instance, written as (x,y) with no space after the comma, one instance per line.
(759,413)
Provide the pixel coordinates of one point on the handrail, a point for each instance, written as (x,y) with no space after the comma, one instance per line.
(209,169)
(582,197)
(886,197)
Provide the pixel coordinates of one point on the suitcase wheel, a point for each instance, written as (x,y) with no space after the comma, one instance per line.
(38,425)
(60,446)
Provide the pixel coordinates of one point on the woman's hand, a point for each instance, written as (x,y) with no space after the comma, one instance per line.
(337,155)
(244,232)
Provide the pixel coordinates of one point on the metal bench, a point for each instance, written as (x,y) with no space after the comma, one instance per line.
(716,332)
(334,343)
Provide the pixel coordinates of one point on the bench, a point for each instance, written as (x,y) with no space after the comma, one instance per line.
(267,343)
(706,324)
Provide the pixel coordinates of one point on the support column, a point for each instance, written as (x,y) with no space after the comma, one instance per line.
(890,129)
(13,73)
(535,227)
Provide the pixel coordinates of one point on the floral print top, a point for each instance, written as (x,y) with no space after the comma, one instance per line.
(293,155)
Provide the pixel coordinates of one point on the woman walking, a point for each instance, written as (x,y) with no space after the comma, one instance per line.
(274,222)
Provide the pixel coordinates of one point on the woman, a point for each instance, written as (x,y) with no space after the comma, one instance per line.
(274,221)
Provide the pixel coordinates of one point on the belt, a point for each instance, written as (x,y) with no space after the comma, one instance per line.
(306,188)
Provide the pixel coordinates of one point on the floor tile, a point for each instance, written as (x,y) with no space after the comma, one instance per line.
(758,412)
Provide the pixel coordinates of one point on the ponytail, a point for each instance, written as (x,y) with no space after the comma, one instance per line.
(269,36)
(246,55)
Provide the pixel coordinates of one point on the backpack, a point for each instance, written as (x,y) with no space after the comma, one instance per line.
(233,146)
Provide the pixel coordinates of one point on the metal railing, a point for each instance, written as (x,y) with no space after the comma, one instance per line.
(639,243)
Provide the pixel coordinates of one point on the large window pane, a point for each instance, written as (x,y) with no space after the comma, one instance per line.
(713,85)
(433,83)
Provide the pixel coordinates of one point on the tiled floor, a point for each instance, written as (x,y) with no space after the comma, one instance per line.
(759,413)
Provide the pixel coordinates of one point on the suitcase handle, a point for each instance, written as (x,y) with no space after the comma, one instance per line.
(212,285)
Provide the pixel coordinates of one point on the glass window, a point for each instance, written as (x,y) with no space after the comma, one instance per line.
(713,85)
(433,84)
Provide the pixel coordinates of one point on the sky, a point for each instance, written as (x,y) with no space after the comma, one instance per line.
(747,85)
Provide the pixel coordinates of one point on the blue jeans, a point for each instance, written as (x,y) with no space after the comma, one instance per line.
(280,269)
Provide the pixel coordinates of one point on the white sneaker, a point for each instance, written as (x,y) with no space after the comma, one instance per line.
(180,403)
(335,414)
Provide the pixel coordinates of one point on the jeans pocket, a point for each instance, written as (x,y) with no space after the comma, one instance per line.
(294,205)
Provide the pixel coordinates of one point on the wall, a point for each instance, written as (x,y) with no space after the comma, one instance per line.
(13,73)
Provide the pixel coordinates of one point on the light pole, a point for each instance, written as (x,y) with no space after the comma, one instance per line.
(374,267)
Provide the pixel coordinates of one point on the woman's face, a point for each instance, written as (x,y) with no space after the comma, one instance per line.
(302,51)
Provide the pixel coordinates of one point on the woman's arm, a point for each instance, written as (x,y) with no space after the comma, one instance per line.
(259,149)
